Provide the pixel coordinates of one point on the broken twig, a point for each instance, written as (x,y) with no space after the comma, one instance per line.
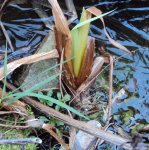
(21,141)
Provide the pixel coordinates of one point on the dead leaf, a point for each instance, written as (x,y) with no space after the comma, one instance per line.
(97,65)
(60,21)
(62,43)
(98,12)
(28,60)
(87,63)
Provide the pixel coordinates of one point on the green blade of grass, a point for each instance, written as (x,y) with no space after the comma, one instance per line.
(33,88)
(37,76)
(52,100)
(91,20)
(43,82)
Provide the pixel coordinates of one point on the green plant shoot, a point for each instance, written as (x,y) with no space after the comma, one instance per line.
(79,38)
(79,42)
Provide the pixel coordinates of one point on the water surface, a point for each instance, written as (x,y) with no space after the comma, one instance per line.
(128,24)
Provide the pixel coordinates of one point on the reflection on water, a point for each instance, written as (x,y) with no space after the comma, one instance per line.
(129,25)
(25,29)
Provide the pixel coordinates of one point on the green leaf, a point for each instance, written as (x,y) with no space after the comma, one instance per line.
(59,96)
(57,107)
(66,97)
(50,93)
(59,123)
(91,20)
(49,103)
(43,118)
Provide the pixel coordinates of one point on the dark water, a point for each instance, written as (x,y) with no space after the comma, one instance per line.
(128,24)
(25,29)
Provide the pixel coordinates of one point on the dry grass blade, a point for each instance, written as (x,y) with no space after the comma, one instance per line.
(59,41)
(97,65)
(60,20)
(11,112)
(97,12)
(28,60)
(6,36)
(3,7)
(64,43)
(68,52)
(72,134)
(13,126)
(62,34)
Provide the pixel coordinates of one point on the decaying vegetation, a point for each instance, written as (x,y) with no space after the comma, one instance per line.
(78,67)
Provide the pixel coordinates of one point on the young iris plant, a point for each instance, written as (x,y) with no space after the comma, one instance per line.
(79,42)
(77,45)
(83,47)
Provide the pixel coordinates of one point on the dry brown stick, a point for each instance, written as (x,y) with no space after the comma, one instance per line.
(110,86)
(48,128)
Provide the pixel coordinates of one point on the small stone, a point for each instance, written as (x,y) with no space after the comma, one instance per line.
(83,140)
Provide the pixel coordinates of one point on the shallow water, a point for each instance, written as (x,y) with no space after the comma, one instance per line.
(128,24)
